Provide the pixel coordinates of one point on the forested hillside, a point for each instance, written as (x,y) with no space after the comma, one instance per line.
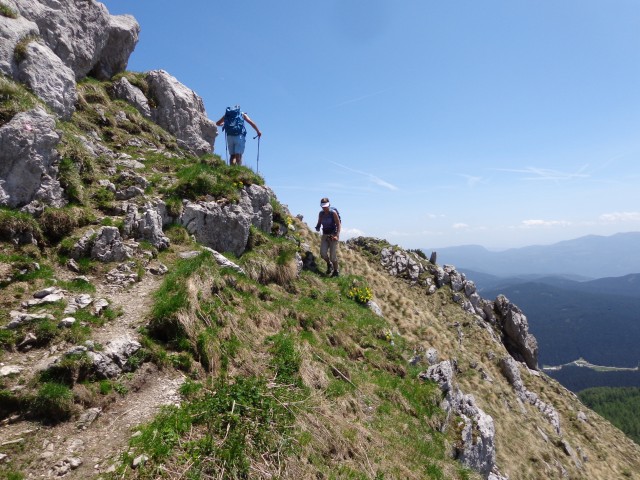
(621,406)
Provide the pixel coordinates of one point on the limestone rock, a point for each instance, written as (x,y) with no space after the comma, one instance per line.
(50,79)
(28,161)
(76,30)
(224,261)
(476,446)
(511,371)
(122,38)
(108,246)
(226,228)
(375,308)
(146,226)
(113,360)
(9,370)
(521,344)
(123,90)
(12,30)
(181,112)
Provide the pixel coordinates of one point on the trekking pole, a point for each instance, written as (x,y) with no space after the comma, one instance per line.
(258,157)
(226,147)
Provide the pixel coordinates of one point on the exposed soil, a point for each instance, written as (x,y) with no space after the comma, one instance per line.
(80,448)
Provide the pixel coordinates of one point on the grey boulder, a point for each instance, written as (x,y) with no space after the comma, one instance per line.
(50,79)
(180,111)
(29,161)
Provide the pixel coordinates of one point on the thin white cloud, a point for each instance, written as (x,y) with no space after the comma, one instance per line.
(472,180)
(360,98)
(372,178)
(459,226)
(620,217)
(544,223)
(546,174)
(347,233)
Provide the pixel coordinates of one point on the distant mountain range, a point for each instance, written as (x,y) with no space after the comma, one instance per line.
(581,297)
(589,257)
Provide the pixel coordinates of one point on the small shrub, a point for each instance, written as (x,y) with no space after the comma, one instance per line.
(286,359)
(57,223)
(178,234)
(53,402)
(45,331)
(104,199)
(14,98)
(7,11)
(182,361)
(105,387)
(20,51)
(7,338)
(16,225)
(71,181)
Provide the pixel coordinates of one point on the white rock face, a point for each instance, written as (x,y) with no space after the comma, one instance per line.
(476,446)
(226,228)
(146,225)
(12,30)
(181,112)
(76,30)
(122,38)
(28,161)
(50,79)
(123,90)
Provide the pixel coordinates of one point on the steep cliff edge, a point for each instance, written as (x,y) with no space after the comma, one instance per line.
(115,302)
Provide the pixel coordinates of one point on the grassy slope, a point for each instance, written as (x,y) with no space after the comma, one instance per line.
(337,398)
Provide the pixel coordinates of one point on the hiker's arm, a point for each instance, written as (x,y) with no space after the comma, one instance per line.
(251,122)
(220,122)
(318,224)
(336,219)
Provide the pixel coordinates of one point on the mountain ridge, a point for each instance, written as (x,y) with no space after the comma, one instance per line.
(116,301)
(591,256)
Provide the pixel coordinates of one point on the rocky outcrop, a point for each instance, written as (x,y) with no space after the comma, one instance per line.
(123,90)
(105,245)
(12,31)
(145,225)
(511,371)
(122,38)
(501,314)
(181,112)
(28,161)
(226,228)
(83,34)
(50,79)
(521,344)
(476,446)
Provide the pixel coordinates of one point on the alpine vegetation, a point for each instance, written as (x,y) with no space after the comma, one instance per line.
(163,315)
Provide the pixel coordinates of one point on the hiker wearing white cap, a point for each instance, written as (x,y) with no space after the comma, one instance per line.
(329,220)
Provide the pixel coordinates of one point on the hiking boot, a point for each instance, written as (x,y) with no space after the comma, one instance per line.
(329,269)
(335,273)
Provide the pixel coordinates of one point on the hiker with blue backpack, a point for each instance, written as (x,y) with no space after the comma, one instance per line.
(232,123)
(329,220)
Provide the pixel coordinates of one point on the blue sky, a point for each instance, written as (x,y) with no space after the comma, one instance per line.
(427,123)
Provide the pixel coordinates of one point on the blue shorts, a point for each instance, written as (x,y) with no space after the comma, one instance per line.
(235,143)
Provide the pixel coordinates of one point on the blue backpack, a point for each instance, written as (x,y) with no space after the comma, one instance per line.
(234,122)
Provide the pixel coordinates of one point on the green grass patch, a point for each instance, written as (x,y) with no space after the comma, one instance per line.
(14,98)
(53,402)
(229,425)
